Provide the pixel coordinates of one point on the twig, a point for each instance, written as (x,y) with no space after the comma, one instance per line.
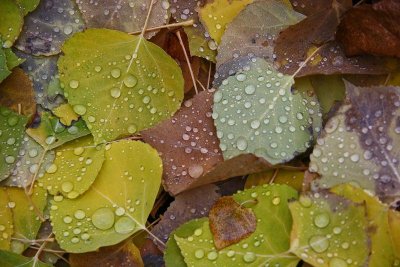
(172,25)
(188,61)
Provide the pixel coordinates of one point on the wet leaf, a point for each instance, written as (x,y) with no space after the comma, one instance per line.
(125,15)
(325,227)
(51,133)
(12,59)
(215,15)
(125,254)
(382,251)
(371,29)
(116,205)
(291,178)
(74,169)
(17,93)
(269,244)
(173,256)
(6,221)
(27,6)
(46,28)
(144,74)
(12,128)
(394,219)
(4,71)
(275,123)
(186,207)
(254,31)
(358,142)
(11,22)
(9,259)
(187,143)
(230,222)
(66,114)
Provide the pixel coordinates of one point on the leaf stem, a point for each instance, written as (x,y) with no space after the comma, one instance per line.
(178,34)
(147,18)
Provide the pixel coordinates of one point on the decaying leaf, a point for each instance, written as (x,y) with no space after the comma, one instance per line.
(230,222)
(371,29)
(125,15)
(186,207)
(358,142)
(124,254)
(187,143)
(325,227)
(16,93)
(116,205)
(46,28)
(143,74)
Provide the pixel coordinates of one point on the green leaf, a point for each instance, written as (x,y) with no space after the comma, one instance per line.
(267,246)
(51,133)
(12,128)
(382,251)
(4,71)
(25,209)
(27,6)
(292,178)
(11,22)
(9,259)
(199,45)
(12,59)
(256,111)
(6,221)
(116,205)
(172,254)
(109,74)
(329,231)
(74,169)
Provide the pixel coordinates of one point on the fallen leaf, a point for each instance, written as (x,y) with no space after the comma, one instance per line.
(66,114)
(293,178)
(371,29)
(9,259)
(27,6)
(394,219)
(6,222)
(11,22)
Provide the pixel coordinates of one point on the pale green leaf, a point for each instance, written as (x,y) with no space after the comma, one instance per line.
(4,71)
(9,259)
(6,221)
(27,6)
(267,246)
(12,59)
(119,83)
(199,45)
(256,111)
(74,169)
(11,22)
(116,205)
(329,231)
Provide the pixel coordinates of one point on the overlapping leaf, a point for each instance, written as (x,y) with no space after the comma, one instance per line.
(11,22)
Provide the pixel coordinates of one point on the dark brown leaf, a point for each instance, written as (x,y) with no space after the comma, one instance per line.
(230,222)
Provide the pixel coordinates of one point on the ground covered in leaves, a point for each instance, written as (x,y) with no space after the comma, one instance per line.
(200,133)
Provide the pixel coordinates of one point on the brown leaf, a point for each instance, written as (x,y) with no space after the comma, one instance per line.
(310,7)
(16,93)
(230,222)
(372,29)
(188,205)
(124,254)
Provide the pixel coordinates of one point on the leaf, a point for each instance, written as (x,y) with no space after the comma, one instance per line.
(187,143)
(184,208)
(275,122)
(6,221)
(27,6)
(25,210)
(143,74)
(123,254)
(125,15)
(12,127)
(269,244)
(382,251)
(394,219)
(217,14)
(291,178)
(11,22)
(230,222)
(322,215)
(4,71)
(9,259)
(46,28)
(371,29)
(254,31)
(17,93)
(74,169)
(51,133)
(66,114)
(116,205)
(12,59)
(351,150)
(172,254)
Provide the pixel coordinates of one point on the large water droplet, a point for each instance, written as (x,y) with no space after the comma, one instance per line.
(241,143)
(80,109)
(130,80)
(337,262)
(115,92)
(321,220)
(103,218)
(319,243)
(124,225)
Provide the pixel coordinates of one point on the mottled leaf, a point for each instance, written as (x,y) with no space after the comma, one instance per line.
(116,205)
(46,28)
(143,74)
(12,128)
(268,245)
(256,111)
(187,143)
(124,15)
(16,93)
(329,231)
(9,259)
(358,142)
(11,22)
(74,169)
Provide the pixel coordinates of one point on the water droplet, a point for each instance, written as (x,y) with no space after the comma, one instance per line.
(321,220)
(319,243)
(198,232)
(276,200)
(79,214)
(241,143)
(67,187)
(212,255)
(337,262)
(116,73)
(80,109)
(103,218)
(355,158)
(305,201)
(78,151)
(130,80)
(241,77)
(249,257)
(115,92)
(199,253)
(67,219)
(52,168)
(195,171)
(74,84)
(132,129)
(250,89)
(10,159)
(255,124)
(124,225)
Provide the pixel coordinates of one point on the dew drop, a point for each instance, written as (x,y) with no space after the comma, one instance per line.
(322,220)
(212,255)
(74,84)
(130,80)
(80,109)
(337,262)
(319,243)
(124,225)
(276,200)
(103,218)
(199,253)
(241,143)
(116,73)
(115,92)
(250,89)
(195,171)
